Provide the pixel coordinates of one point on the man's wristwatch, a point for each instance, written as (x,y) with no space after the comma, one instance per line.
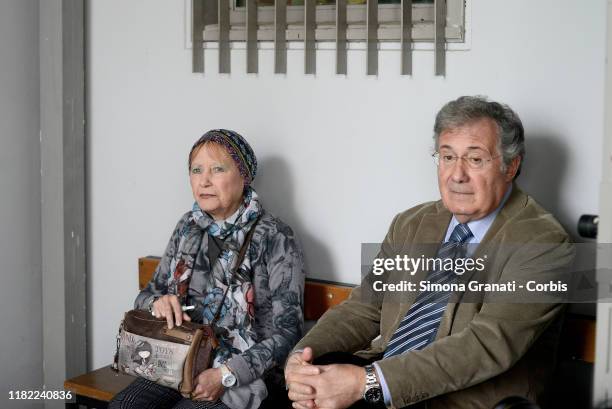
(228,379)
(373,392)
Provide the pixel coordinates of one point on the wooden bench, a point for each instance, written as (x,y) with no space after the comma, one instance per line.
(95,389)
(319,295)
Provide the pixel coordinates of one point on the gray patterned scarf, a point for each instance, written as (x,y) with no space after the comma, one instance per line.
(202,283)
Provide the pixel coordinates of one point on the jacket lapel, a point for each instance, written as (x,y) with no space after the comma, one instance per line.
(426,241)
(514,204)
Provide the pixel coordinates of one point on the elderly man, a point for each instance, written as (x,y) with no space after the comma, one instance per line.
(377,351)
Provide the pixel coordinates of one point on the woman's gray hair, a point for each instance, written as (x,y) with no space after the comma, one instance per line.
(467,109)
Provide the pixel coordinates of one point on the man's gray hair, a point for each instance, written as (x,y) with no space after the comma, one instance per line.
(467,109)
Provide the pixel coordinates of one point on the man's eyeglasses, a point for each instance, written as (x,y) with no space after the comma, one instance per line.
(474,160)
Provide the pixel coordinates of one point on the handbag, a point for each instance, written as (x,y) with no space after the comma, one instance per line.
(174,358)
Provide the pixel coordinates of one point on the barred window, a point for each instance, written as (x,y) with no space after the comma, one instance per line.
(340,21)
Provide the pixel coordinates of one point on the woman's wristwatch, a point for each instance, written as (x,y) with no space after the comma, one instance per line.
(228,379)
(373,391)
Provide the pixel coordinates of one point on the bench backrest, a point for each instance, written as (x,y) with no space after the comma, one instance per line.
(577,338)
(319,295)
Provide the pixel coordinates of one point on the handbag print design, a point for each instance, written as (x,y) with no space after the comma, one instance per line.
(170,357)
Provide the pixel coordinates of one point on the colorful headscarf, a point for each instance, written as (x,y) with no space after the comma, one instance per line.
(237,147)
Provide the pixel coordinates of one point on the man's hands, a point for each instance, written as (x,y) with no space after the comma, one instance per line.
(208,386)
(327,386)
(298,364)
(168,307)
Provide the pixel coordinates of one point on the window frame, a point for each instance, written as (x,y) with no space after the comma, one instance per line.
(389,28)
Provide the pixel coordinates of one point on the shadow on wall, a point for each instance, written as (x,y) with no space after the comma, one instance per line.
(541,176)
(274,185)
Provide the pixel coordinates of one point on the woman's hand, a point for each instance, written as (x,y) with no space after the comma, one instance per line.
(168,307)
(208,385)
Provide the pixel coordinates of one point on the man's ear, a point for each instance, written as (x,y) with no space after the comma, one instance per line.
(512,168)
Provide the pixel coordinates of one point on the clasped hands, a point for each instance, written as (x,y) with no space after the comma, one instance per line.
(311,386)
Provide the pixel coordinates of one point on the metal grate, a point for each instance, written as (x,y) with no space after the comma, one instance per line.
(312,21)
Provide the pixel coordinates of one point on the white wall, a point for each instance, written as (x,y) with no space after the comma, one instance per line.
(20,224)
(339,156)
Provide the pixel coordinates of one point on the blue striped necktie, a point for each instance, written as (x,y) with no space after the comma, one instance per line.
(420,324)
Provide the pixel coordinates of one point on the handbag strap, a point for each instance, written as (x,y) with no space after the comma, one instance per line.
(241,255)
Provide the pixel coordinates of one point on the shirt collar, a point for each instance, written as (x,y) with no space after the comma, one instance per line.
(478,227)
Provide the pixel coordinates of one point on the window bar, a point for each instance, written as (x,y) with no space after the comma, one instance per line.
(251,32)
(197,35)
(341,37)
(280,36)
(440,37)
(406,37)
(372,39)
(210,11)
(224,46)
(310,51)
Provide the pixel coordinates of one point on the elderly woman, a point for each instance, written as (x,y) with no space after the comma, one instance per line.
(261,316)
